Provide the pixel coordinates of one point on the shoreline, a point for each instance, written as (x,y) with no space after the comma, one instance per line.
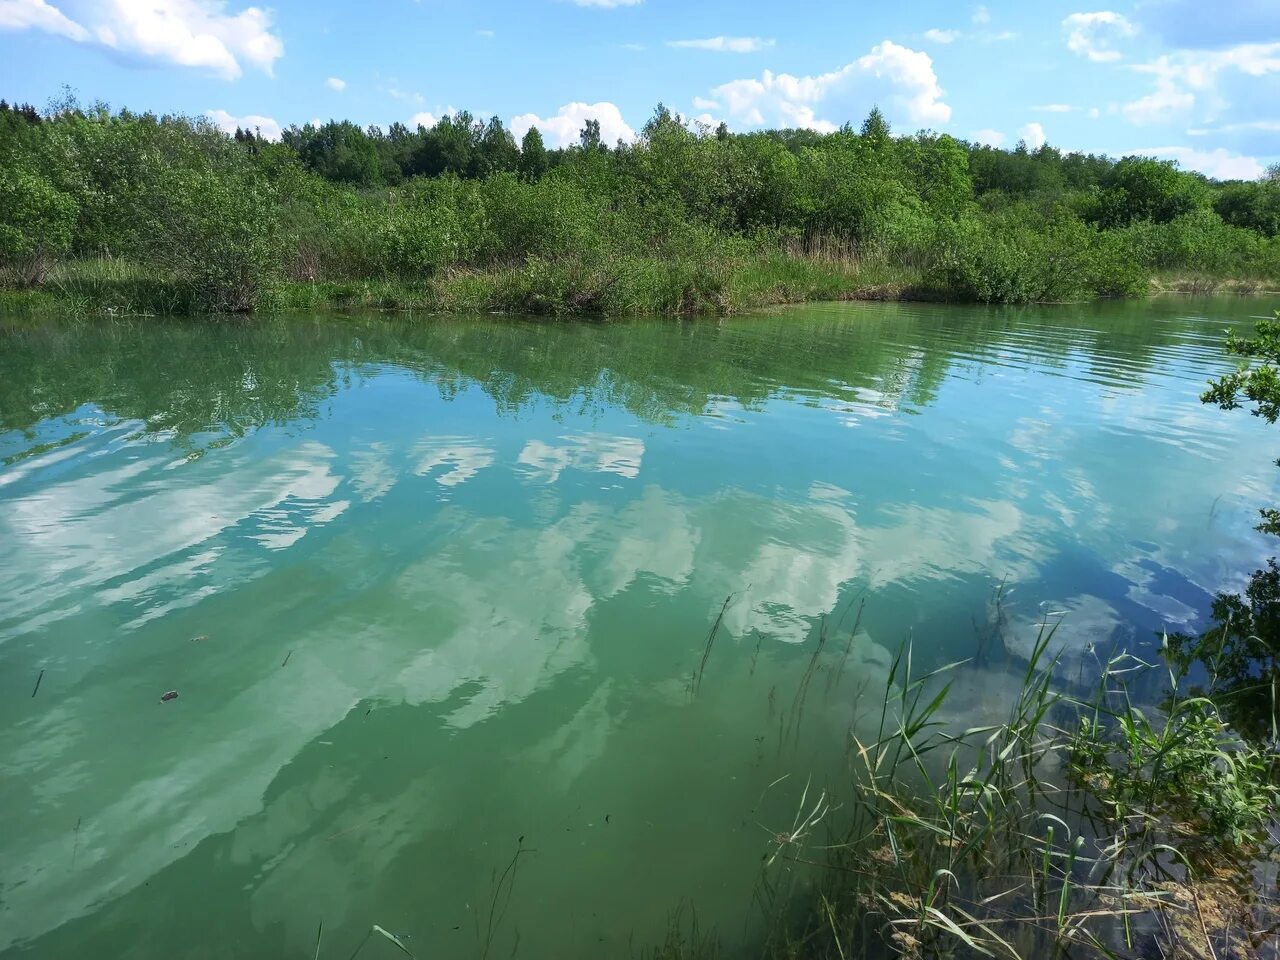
(648,287)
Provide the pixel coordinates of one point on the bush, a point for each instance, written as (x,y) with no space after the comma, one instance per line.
(36,224)
(218,232)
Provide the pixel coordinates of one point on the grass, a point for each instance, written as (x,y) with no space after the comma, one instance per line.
(616,286)
(1083,825)
(623,285)
(1202,284)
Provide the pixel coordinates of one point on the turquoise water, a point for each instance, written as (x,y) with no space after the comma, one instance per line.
(426,587)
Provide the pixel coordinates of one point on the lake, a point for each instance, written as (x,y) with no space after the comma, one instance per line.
(518,637)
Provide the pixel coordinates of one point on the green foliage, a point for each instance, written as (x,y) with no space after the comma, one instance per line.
(36,224)
(1257,384)
(1240,655)
(215,230)
(340,152)
(533,155)
(1185,769)
(1141,189)
(338,204)
(1252,206)
(1007,260)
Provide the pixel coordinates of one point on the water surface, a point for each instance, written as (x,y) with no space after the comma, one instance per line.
(427,586)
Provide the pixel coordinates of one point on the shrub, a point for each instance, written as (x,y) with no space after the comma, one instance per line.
(36,224)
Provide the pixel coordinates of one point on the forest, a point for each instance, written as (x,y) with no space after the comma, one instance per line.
(140,213)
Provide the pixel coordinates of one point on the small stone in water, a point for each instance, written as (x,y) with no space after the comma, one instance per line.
(170,695)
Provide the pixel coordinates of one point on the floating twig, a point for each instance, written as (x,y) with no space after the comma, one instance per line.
(286,658)
(37,686)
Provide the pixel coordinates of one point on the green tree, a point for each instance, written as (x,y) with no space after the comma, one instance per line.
(341,152)
(217,230)
(533,155)
(36,223)
(495,150)
(1144,189)
(589,136)
(1240,653)
(876,133)
(1254,206)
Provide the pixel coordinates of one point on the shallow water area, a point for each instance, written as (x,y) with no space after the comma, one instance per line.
(495,632)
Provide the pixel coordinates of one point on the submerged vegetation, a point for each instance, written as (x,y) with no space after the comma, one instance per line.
(127,212)
(1082,825)
(1139,817)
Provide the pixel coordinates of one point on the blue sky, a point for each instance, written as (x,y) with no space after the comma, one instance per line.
(1191,80)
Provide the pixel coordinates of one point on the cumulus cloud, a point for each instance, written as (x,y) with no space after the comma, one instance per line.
(1033,136)
(992,138)
(191,33)
(1185,77)
(228,123)
(724,44)
(942,36)
(38,15)
(561,129)
(1165,103)
(1054,108)
(428,119)
(336,83)
(1219,164)
(1091,34)
(702,103)
(889,73)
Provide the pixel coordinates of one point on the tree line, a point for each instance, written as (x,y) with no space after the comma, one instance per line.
(673,214)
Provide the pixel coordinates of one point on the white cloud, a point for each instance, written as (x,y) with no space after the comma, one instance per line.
(191,33)
(38,15)
(1033,135)
(942,36)
(561,129)
(981,14)
(228,122)
(423,119)
(1094,113)
(993,138)
(336,83)
(404,95)
(1091,34)
(1167,101)
(1184,77)
(725,44)
(890,73)
(1054,108)
(607,4)
(1218,163)
(486,34)
(1265,126)
(702,103)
